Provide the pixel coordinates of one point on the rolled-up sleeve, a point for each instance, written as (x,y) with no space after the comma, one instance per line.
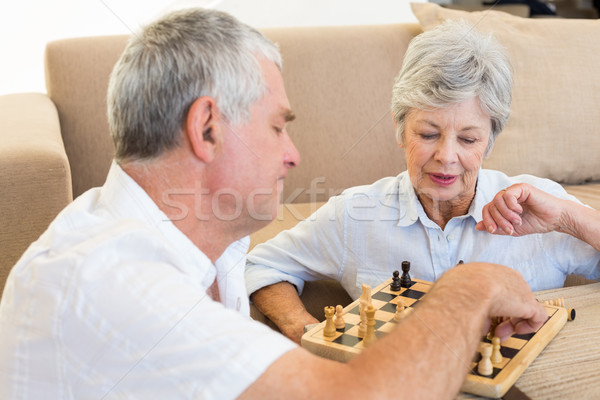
(313,249)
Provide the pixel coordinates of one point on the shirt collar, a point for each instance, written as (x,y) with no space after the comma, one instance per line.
(410,208)
(482,197)
(124,198)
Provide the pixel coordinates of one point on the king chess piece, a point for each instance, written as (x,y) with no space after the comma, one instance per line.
(405,280)
(370,337)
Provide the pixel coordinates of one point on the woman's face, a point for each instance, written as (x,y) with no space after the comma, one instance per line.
(444,151)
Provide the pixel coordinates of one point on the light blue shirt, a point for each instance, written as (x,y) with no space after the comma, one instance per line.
(364,234)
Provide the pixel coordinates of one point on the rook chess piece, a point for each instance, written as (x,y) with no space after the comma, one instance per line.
(485,366)
(496,355)
(329,329)
(395,285)
(370,334)
(405,280)
(338,321)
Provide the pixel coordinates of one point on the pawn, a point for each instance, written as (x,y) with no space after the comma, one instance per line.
(395,285)
(399,310)
(496,355)
(338,320)
(405,280)
(485,366)
(329,329)
(559,302)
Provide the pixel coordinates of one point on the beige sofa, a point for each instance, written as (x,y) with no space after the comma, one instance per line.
(338,79)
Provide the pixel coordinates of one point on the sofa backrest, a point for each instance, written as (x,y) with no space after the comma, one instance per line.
(77,72)
(338,80)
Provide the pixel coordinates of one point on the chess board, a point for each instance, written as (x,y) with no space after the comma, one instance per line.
(517,352)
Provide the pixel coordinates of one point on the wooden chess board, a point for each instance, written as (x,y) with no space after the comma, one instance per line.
(517,352)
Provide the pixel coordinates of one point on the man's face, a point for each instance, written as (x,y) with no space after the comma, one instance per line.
(258,155)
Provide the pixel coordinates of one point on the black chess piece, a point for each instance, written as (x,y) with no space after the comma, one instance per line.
(405,280)
(395,286)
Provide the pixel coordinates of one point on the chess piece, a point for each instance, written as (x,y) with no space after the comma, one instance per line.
(329,329)
(405,280)
(366,293)
(338,320)
(496,355)
(364,301)
(362,310)
(395,285)
(495,321)
(370,334)
(485,366)
(559,302)
(399,310)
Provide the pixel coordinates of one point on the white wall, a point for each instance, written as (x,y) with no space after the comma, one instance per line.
(27,25)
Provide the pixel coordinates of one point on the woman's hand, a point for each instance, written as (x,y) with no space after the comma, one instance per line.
(523,209)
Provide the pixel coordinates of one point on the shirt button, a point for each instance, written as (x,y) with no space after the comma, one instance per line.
(451,237)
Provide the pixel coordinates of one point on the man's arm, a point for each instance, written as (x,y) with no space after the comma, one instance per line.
(523,209)
(282,305)
(428,354)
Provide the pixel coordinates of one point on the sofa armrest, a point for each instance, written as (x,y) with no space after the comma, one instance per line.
(34,173)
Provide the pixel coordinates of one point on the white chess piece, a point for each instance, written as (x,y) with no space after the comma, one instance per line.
(338,320)
(485,366)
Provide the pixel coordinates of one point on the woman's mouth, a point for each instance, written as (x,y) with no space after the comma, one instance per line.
(442,180)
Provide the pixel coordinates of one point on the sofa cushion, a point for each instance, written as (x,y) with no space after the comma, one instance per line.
(553,128)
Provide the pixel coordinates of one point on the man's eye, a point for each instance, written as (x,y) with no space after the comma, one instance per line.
(278,130)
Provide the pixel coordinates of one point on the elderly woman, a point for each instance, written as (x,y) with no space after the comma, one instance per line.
(450,101)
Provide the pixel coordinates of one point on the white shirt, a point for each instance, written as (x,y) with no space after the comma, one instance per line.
(111,303)
(364,234)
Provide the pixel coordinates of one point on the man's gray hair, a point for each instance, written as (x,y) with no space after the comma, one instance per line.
(448,65)
(185,55)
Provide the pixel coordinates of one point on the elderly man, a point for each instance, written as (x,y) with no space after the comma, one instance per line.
(136,289)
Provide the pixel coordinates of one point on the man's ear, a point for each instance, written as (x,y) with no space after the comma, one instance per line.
(203,129)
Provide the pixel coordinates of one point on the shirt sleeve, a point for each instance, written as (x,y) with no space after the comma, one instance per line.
(313,249)
(570,254)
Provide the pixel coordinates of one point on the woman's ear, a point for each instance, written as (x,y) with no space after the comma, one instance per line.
(203,129)
(399,139)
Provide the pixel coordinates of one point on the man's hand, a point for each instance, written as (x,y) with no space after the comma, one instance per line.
(500,291)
